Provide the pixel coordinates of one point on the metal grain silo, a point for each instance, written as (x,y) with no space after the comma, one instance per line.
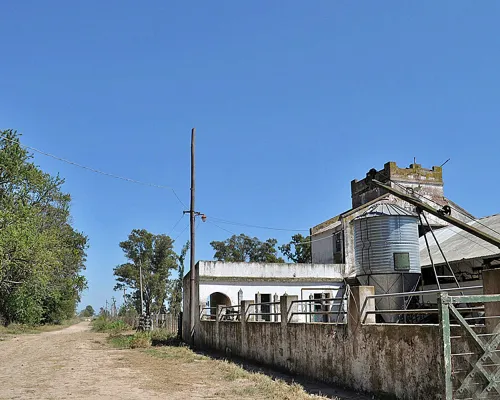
(387,253)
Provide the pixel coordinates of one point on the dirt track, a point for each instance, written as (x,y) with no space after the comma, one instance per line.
(68,364)
(75,363)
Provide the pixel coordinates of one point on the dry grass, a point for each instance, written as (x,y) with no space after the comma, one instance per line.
(138,340)
(20,329)
(228,380)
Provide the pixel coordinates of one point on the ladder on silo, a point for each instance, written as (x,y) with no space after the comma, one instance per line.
(447,275)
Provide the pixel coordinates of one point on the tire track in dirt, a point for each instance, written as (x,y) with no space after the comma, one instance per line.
(72,363)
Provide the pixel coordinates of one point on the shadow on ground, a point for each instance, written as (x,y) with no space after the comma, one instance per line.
(310,386)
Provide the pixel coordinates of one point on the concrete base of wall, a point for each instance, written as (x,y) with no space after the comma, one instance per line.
(404,361)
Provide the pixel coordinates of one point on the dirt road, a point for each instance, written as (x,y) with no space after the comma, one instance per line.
(66,364)
(75,363)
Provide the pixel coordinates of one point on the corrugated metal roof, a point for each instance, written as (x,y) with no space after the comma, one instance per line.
(390,209)
(459,245)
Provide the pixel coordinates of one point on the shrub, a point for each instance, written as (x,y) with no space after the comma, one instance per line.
(140,340)
(163,337)
(102,324)
(135,341)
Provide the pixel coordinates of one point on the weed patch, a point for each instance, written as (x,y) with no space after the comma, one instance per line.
(102,324)
(163,337)
(139,340)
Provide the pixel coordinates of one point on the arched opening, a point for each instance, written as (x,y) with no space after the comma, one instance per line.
(219,299)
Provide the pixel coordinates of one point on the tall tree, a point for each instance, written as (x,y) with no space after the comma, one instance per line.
(155,255)
(175,298)
(242,248)
(88,312)
(298,249)
(41,254)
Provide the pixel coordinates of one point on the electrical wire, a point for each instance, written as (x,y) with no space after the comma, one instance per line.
(220,227)
(308,242)
(96,170)
(179,235)
(175,225)
(220,220)
(225,221)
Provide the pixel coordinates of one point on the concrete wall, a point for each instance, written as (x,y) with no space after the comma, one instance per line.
(403,360)
(240,270)
(428,182)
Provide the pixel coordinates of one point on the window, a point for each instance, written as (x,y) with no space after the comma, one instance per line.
(338,244)
(321,306)
(401,261)
(265,308)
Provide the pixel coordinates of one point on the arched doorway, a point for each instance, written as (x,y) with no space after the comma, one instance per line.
(218,299)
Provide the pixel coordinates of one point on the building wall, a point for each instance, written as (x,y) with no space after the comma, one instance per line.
(219,269)
(403,360)
(228,278)
(428,182)
(322,247)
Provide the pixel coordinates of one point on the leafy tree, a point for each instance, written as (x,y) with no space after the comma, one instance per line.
(242,248)
(88,312)
(298,250)
(155,255)
(41,254)
(175,299)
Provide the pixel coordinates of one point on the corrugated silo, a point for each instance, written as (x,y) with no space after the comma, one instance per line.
(387,253)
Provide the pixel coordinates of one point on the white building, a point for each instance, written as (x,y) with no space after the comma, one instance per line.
(226,283)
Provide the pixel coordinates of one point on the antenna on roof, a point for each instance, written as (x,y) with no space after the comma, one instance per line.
(445,161)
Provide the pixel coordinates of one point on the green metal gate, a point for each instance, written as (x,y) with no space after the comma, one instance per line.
(470,327)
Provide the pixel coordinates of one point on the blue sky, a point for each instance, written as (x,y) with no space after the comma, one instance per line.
(291,101)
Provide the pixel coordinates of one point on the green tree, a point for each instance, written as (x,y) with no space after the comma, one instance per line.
(298,249)
(175,298)
(155,255)
(242,248)
(88,312)
(41,254)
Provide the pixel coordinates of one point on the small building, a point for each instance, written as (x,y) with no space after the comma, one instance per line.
(227,283)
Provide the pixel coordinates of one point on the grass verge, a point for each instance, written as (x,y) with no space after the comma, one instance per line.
(226,379)
(19,329)
(239,383)
(158,337)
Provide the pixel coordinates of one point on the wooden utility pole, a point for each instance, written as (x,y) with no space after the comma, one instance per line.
(192,295)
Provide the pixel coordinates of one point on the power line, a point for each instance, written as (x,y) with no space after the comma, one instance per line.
(96,170)
(299,244)
(225,221)
(175,225)
(179,235)
(220,227)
